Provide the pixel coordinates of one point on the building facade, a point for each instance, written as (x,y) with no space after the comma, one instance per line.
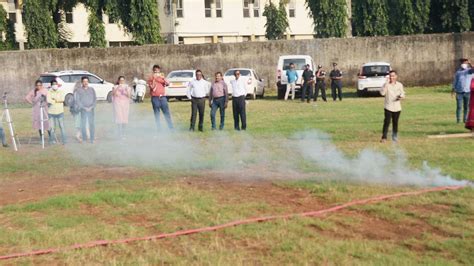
(184,22)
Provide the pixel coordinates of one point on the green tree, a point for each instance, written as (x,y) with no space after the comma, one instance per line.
(40,28)
(329,16)
(277,21)
(7,31)
(408,16)
(451,15)
(370,17)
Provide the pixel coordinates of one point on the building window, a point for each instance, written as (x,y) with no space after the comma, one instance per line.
(246,38)
(179,8)
(292,7)
(180,40)
(70,18)
(208,39)
(219,8)
(220,39)
(256,8)
(207,8)
(12,17)
(246,8)
(111,20)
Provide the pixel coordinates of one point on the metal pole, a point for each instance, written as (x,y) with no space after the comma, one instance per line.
(42,122)
(9,121)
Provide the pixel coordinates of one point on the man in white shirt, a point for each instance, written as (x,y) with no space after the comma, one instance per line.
(198,89)
(394,93)
(239,91)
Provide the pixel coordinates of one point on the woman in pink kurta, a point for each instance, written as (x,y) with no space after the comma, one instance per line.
(37,98)
(121,101)
(470,118)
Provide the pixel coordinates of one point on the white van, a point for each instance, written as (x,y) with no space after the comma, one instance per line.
(284,64)
(372,77)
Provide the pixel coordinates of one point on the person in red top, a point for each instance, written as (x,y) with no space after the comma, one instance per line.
(470,118)
(157,83)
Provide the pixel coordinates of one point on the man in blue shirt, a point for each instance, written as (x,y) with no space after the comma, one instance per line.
(292,77)
(461,86)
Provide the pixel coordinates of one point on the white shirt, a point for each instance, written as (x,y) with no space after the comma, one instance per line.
(239,87)
(198,88)
(393,93)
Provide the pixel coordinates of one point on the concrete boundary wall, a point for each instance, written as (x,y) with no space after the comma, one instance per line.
(419,59)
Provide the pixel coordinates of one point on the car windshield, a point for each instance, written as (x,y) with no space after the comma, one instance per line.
(47,79)
(180,74)
(243,72)
(299,63)
(374,71)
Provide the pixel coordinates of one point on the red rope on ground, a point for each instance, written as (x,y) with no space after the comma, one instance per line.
(227,225)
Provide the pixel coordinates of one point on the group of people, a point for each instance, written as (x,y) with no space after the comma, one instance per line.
(316,80)
(463,88)
(197,91)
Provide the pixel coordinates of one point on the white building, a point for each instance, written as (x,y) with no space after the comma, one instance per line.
(185,21)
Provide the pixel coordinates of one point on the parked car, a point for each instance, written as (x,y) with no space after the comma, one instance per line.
(372,76)
(255,84)
(178,83)
(67,79)
(284,64)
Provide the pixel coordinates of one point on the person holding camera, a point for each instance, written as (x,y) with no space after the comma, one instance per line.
(56,109)
(394,93)
(37,98)
(336,82)
(86,101)
(308,81)
(320,83)
(159,101)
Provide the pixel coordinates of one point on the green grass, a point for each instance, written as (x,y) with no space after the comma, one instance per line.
(439,227)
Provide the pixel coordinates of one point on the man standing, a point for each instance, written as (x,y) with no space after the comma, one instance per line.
(336,82)
(85,102)
(320,83)
(308,81)
(55,100)
(394,93)
(218,99)
(239,91)
(198,88)
(159,101)
(462,88)
(292,77)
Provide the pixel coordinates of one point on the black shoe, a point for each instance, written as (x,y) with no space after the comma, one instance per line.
(5,145)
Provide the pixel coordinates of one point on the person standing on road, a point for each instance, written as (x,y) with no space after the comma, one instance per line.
(56,109)
(218,99)
(159,101)
(38,98)
(308,82)
(292,77)
(121,102)
(336,82)
(461,86)
(198,89)
(239,91)
(86,100)
(320,83)
(394,93)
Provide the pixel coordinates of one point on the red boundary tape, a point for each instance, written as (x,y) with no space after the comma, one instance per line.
(227,225)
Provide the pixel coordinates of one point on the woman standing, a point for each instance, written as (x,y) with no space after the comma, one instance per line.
(470,117)
(37,97)
(121,103)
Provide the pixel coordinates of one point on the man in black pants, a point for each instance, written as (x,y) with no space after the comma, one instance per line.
(197,90)
(239,91)
(308,81)
(394,93)
(320,83)
(336,82)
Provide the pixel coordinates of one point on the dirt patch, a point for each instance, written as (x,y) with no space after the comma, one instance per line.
(27,188)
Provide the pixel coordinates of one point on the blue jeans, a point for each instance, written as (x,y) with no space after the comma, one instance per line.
(88,117)
(161,104)
(218,103)
(58,121)
(2,136)
(462,101)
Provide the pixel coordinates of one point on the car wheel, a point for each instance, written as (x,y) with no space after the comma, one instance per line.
(109,97)
(254,94)
(360,93)
(281,92)
(263,94)
(68,100)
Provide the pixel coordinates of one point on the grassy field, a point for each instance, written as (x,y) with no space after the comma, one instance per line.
(79,193)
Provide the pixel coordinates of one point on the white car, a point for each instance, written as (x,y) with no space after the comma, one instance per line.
(68,79)
(178,83)
(372,77)
(283,65)
(255,84)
